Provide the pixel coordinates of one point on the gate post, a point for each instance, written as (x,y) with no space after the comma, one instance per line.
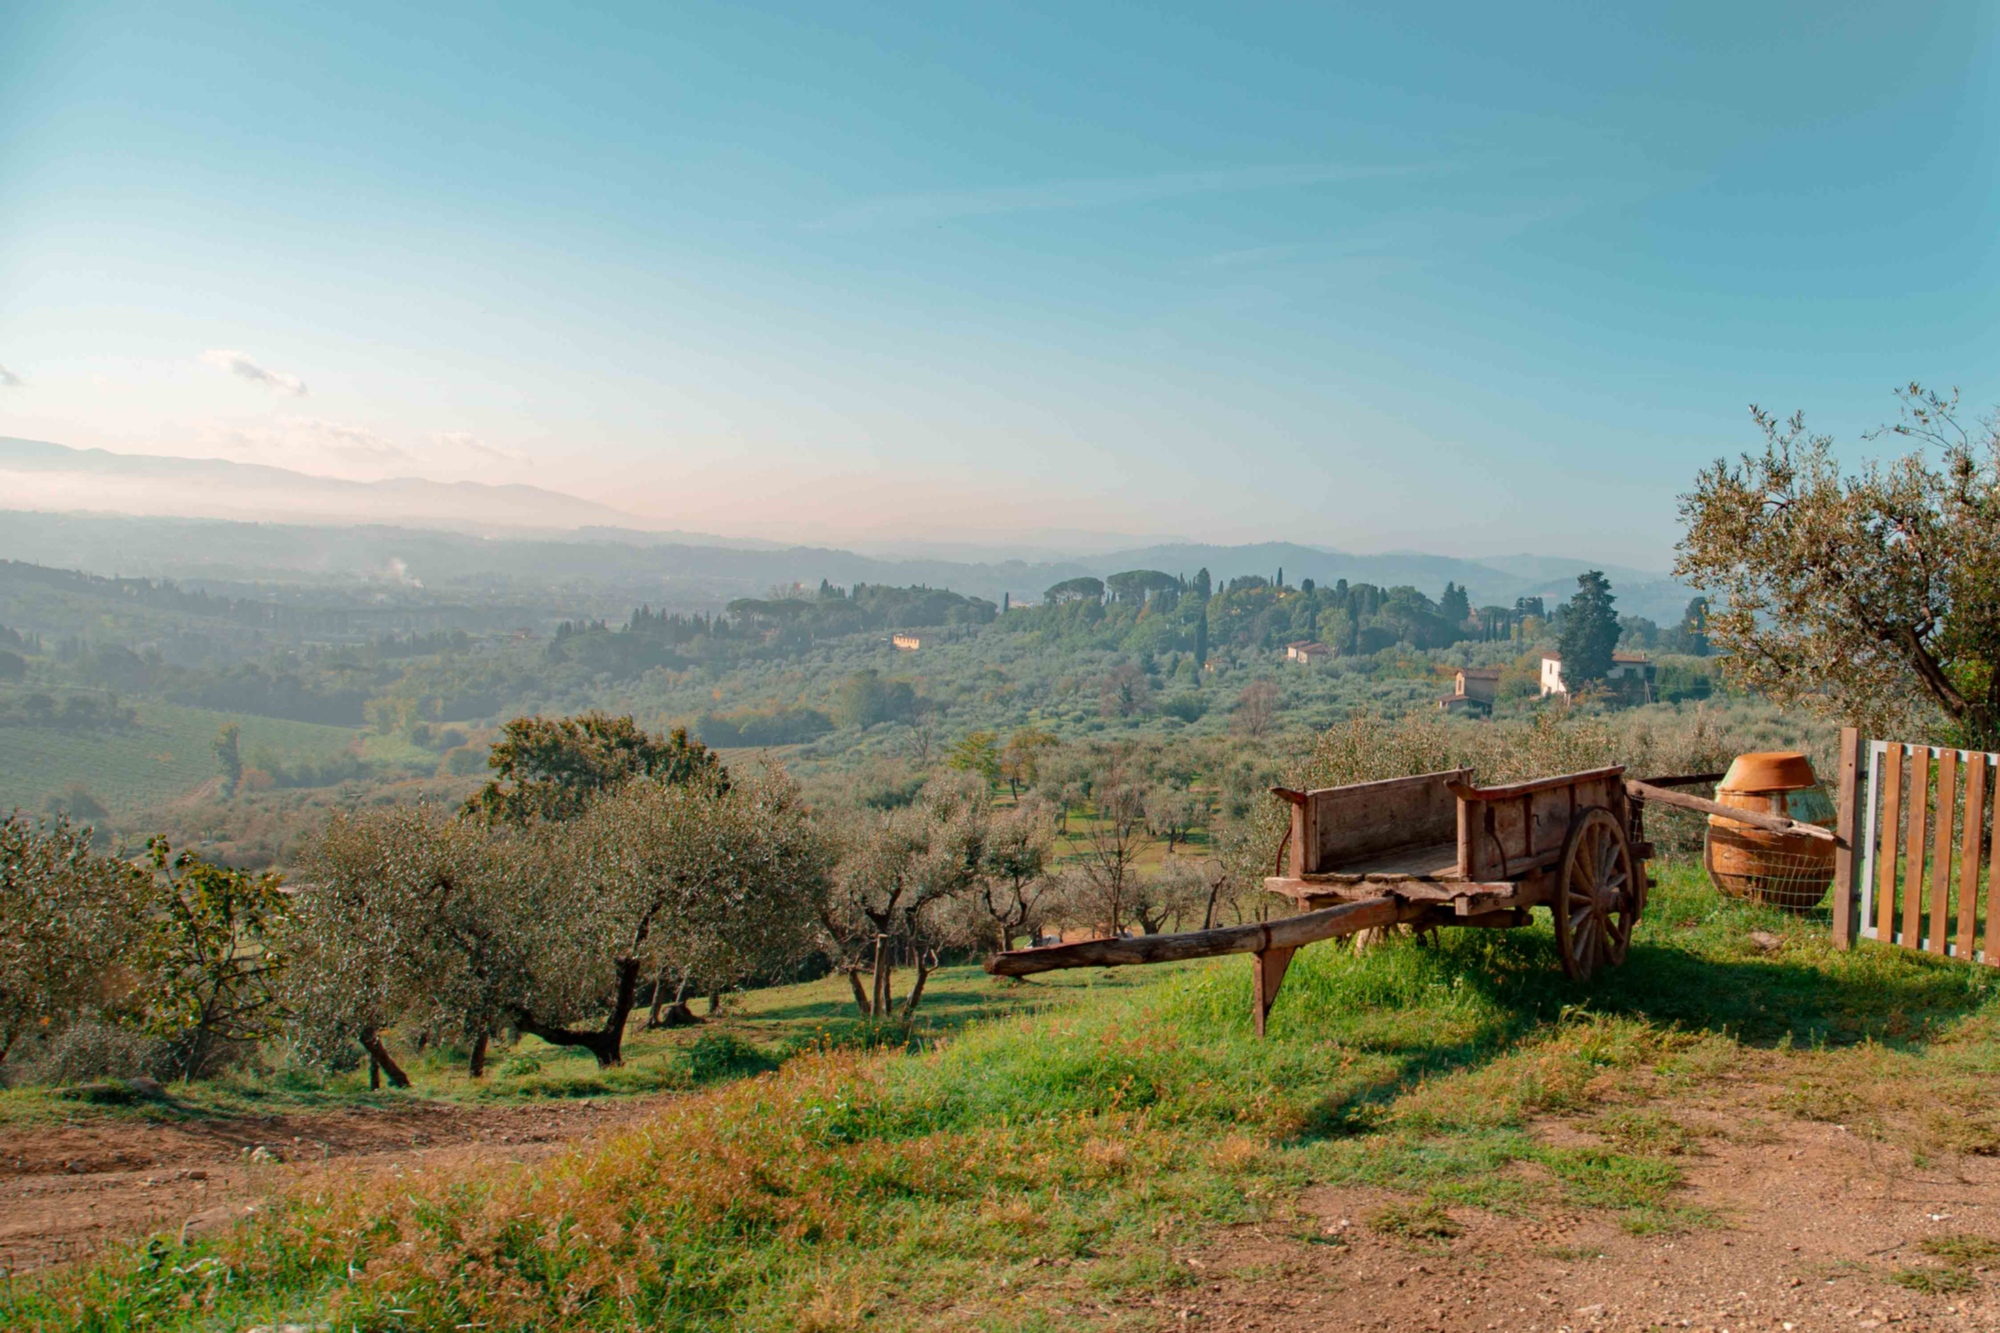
(1846,896)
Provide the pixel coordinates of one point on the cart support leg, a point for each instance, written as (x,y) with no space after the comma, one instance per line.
(1266,975)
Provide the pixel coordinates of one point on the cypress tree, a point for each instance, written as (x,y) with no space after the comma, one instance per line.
(1589,632)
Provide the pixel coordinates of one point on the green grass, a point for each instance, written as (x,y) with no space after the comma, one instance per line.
(167,755)
(1934,1281)
(1032,1169)
(1961,1250)
(755,1032)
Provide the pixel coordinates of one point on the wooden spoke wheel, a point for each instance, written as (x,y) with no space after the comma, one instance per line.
(1598,895)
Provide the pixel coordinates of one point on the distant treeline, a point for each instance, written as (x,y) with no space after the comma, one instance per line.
(1151,611)
(831,612)
(758,627)
(288,691)
(316,611)
(72,711)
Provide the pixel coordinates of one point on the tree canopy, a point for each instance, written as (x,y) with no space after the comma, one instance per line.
(1075,590)
(1137,585)
(1872,595)
(551,767)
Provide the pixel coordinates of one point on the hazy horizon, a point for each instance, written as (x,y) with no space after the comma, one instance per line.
(421,504)
(1472,281)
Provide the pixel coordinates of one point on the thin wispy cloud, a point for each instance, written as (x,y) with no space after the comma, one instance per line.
(240,365)
(467,442)
(910,210)
(315,445)
(9,380)
(354,444)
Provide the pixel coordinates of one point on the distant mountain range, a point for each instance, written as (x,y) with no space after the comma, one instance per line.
(35,474)
(98,511)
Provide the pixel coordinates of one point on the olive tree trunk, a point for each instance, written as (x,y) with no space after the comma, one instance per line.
(380,1061)
(606,1043)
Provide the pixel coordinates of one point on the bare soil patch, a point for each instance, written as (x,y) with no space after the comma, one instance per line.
(66,1191)
(1814,1223)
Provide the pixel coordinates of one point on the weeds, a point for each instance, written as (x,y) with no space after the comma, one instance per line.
(1934,1281)
(1961,1254)
(1961,1250)
(1415,1221)
(1648,1132)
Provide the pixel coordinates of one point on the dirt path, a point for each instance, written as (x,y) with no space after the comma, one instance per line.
(67,1190)
(1815,1220)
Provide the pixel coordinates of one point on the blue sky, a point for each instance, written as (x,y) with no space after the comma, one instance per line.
(1462,278)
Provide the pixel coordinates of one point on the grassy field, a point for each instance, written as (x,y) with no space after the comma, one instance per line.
(756,1031)
(168,754)
(1023,1170)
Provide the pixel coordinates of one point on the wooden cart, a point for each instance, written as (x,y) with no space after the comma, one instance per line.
(1435,850)
(1426,851)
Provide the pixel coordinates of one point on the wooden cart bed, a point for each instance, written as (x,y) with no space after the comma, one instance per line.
(1436,829)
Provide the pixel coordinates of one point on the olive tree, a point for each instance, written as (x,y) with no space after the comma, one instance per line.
(1107,867)
(1174,812)
(1180,889)
(1013,883)
(692,877)
(69,922)
(901,885)
(1872,594)
(216,953)
(408,917)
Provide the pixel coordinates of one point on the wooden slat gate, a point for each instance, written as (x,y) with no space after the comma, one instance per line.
(1926,817)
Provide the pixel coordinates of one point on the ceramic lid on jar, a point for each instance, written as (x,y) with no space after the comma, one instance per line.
(1770,770)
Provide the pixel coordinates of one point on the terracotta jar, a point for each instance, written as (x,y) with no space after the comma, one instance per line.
(1788,870)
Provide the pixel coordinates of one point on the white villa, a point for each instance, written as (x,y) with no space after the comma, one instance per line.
(1628,670)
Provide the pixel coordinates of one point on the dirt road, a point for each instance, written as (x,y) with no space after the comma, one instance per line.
(67,1190)
(1815,1221)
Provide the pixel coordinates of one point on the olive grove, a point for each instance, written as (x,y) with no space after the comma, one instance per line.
(473,930)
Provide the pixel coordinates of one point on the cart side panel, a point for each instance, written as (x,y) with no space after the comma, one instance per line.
(1488,831)
(1344,824)
(1506,835)
(1554,812)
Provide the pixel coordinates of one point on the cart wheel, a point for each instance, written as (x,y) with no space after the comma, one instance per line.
(1597,895)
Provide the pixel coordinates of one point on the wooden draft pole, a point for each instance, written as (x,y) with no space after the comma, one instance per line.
(1271,944)
(1287,932)
(1646,791)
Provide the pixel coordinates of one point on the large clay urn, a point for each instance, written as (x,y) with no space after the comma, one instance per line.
(1788,870)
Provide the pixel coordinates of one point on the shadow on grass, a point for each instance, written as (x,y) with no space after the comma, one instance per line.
(941,1011)
(1699,976)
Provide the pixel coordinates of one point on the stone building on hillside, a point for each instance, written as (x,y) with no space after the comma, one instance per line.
(1473,690)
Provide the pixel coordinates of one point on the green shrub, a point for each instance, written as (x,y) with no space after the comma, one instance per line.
(105,1093)
(719,1055)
